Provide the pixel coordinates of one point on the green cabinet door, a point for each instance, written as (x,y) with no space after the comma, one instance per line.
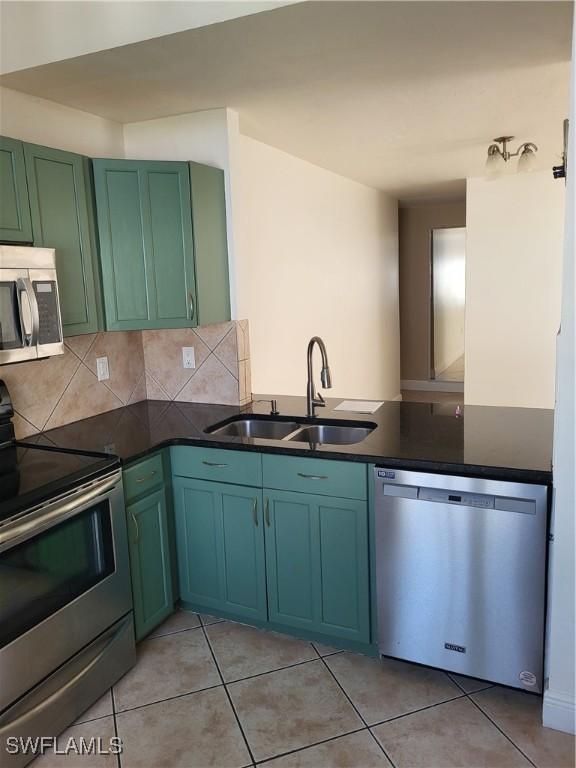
(317,563)
(220,547)
(62,209)
(150,562)
(15,223)
(146,246)
(210,243)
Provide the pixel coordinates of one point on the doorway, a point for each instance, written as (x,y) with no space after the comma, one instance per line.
(447,304)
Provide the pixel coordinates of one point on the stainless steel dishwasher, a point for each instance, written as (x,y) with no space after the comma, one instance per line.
(460,565)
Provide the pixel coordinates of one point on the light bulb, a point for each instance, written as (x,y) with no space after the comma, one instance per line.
(494,161)
(527,160)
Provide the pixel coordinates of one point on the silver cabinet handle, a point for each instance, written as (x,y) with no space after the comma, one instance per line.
(192,305)
(267,512)
(136,526)
(255,511)
(214,464)
(146,477)
(313,477)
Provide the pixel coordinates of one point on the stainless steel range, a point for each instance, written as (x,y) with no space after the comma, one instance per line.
(66,633)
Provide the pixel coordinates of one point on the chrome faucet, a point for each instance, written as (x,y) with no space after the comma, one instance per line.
(317,401)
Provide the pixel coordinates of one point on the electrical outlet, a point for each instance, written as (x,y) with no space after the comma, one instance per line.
(102,370)
(188,357)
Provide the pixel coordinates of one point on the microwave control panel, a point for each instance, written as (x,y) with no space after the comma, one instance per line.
(47,298)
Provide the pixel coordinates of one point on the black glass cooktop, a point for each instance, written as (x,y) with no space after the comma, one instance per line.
(31,473)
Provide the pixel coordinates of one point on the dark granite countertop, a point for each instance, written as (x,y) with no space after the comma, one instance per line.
(501,443)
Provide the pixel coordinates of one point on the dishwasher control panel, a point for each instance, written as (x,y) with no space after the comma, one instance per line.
(456,497)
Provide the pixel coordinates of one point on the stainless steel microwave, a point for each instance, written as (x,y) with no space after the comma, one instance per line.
(30,323)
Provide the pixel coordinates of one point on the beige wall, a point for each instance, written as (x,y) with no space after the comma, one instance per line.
(44,122)
(415,227)
(514,247)
(316,254)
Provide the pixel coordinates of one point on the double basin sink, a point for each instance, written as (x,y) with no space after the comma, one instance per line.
(317,432)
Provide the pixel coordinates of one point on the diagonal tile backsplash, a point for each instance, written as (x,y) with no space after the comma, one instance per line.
(215,378)
(143,364)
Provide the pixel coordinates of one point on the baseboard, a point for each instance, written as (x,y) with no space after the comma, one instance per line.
(559,712)
(432,386)
(397,398)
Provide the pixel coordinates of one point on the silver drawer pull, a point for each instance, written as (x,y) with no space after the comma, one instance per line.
(313,477)
(214,464)
(146,477)
(255,511)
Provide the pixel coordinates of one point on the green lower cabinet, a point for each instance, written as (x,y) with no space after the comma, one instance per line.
(220,547)
(317,564)
(150,563)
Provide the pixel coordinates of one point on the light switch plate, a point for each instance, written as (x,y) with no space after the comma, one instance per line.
(102,370)
(188,357)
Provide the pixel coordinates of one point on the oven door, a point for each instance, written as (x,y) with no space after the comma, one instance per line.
(19,318)
(64,579)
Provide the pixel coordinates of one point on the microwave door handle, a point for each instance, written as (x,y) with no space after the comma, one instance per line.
(28,307)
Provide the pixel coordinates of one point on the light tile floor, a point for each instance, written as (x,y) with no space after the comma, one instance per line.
(211,693)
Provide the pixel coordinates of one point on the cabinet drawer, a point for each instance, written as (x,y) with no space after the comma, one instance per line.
(329,478)
(143,476)
(217,464)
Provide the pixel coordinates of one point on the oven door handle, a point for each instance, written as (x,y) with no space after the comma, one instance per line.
(46,517)
(29,317)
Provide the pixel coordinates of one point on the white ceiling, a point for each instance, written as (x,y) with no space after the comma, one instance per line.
(404,96)
(35,32)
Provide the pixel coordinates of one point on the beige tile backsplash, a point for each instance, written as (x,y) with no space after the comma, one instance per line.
(143,364)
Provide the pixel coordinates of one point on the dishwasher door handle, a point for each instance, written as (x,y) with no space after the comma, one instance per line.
(401,491)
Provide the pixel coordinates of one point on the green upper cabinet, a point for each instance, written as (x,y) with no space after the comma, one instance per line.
(146,247)
(62,212)
(163,246)
(15,223)
(317,564)
(210,243)
(220,546)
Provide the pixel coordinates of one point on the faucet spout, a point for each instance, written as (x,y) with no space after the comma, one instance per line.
(312,400)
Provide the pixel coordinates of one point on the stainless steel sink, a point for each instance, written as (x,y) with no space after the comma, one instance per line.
(331,434)
(288,429)
(250,427)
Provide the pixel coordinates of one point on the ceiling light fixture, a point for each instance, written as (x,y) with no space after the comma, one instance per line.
(498,156)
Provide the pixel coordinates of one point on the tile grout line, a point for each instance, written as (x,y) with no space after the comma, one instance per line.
(417,711)
(229,697)
(495,724)
(222,361)
(468,693)
(168,698)
(314,744)
(192,375)
(160,387)
(271,671)
(386,755)
(141,378)
(63,391)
